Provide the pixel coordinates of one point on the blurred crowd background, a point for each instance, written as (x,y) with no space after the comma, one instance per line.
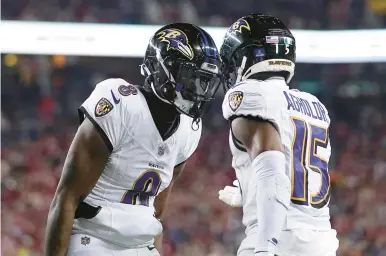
(299,14)
(40,96)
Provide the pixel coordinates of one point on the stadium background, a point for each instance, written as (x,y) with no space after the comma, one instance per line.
(40,95)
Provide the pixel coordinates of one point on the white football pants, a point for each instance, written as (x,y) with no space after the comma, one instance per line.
(301,242)
(85,245)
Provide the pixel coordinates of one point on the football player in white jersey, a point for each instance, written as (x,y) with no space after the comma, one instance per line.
(131,145)
(280,144)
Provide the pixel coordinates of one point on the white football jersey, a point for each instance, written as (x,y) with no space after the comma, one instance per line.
(302,122)
(140,165)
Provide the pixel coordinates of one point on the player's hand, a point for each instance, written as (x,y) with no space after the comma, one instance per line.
(231,195)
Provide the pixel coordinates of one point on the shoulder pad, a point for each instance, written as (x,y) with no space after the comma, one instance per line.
(111,82)
(245,99)
(254,99)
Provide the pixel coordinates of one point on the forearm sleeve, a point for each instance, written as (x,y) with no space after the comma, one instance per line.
(272,197)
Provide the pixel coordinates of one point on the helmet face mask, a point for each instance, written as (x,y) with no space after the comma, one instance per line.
(182,66)
(196,86)
(257,44)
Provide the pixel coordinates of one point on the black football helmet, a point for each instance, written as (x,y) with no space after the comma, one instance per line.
(182,67)
(256,44)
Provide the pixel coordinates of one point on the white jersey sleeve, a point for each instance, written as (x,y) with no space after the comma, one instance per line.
(102,108)
(191,141)
(251,99)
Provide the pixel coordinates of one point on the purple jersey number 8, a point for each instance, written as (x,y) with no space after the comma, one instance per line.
(301,166)
(145,186)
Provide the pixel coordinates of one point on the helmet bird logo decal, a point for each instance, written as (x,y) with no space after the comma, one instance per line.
(239,25)
(176,40)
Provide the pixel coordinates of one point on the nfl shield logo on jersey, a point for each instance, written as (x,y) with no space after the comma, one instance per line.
(235,99)
(85,240)
(161,150)
(103,107)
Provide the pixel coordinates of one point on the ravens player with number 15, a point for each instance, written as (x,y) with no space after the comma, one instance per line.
(131,145)
(279,142)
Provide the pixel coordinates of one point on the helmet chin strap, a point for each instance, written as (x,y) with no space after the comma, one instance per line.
(241,69)
(196,124)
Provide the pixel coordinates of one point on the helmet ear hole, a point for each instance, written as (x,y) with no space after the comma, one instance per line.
(149,79)
(168,92)
(166,88)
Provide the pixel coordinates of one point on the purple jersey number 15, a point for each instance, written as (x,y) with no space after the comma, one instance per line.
(301,165)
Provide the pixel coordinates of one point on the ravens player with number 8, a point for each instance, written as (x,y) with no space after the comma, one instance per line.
(280,144)
(132,144)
